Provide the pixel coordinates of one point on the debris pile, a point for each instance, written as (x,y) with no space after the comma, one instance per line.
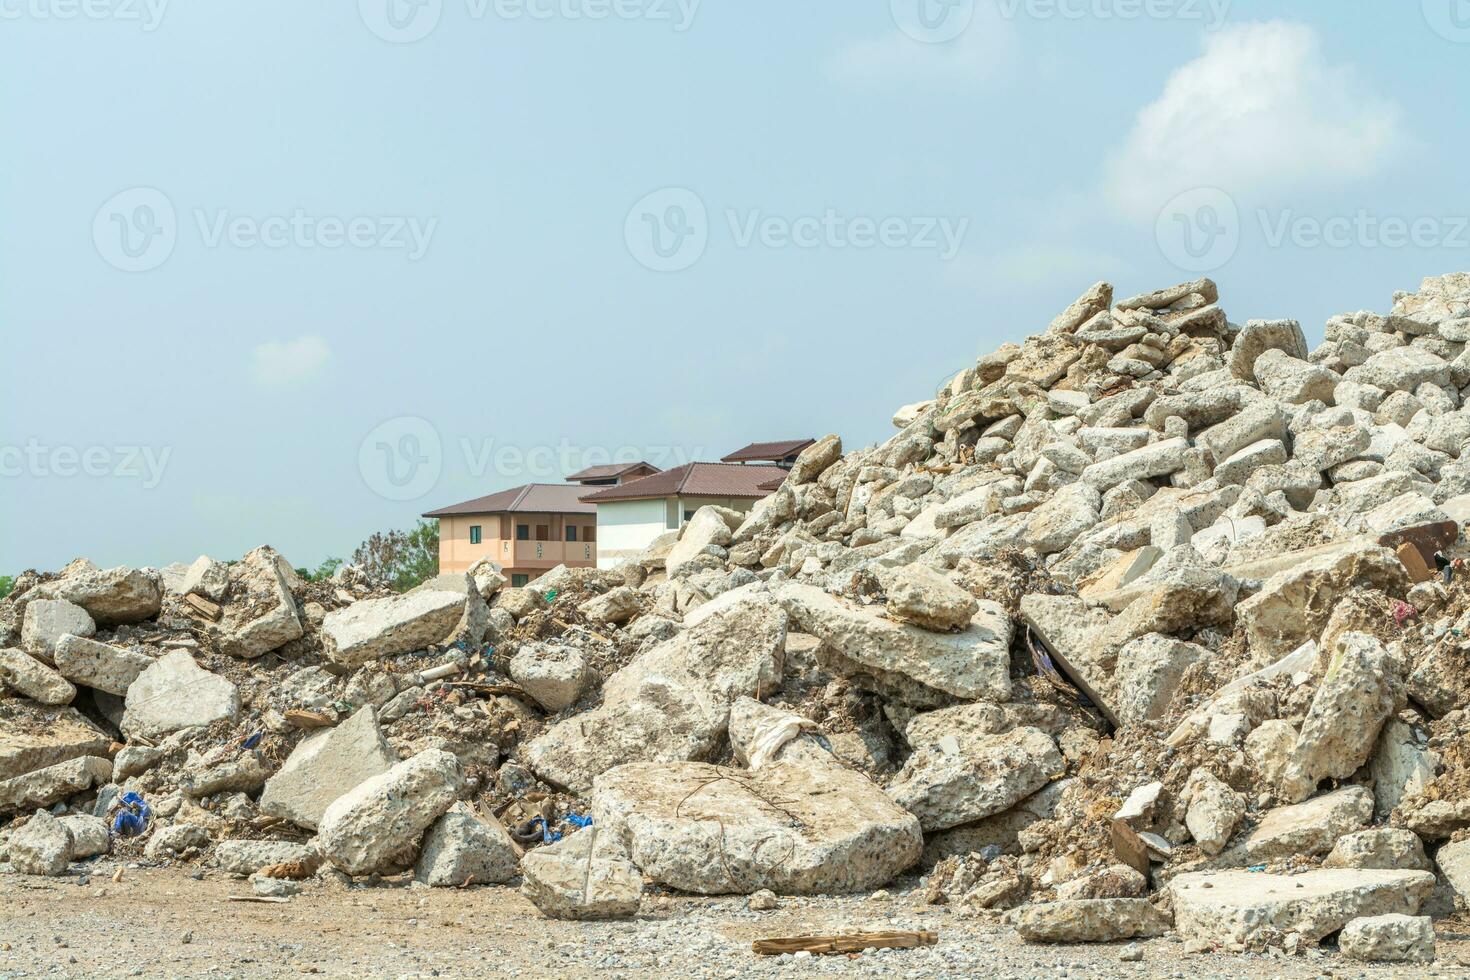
(1150,622)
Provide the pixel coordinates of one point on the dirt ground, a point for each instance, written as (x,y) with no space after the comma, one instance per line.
(163,922)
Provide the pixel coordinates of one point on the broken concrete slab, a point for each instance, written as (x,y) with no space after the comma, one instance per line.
(42,847)
(34,736)
(555,674)
(380,819)
(376,628)
(585,875)
(1393,938)
(44,787)
(1389,848)
(245,857)
(112,597)
(1306,828)
(1096,920)
(30,678)
(964,776)
(1256,910)
(325,766)
(714,830)
(99,665)
(973,664)
(47,621)
(670,704)
(174,693)
(260,613)
(461,848)
(920,595)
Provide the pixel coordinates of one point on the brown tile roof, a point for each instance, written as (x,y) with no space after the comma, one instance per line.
(533,498)
(608,472)
(757,451)
(694,480)
(772,485)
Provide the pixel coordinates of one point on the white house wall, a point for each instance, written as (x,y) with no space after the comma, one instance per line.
(625,528)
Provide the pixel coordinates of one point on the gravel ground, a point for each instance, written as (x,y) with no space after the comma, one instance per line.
(165,922)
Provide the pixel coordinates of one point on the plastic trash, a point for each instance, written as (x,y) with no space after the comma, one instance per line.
(577,820)
(252,741)
(133,818)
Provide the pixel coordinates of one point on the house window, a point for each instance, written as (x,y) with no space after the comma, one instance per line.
(474,534)
(543,533)
(523,532)
(589,533)
(688,516)
(519,581)
(571,532)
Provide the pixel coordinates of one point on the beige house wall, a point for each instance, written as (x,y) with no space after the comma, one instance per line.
(498,542)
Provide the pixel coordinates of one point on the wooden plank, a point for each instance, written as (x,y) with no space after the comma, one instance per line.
(854,942)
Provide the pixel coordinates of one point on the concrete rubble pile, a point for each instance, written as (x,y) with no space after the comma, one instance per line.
(1148,624)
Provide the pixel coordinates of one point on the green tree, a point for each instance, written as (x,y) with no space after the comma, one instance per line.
(7,582)
(323,571)
(400,559)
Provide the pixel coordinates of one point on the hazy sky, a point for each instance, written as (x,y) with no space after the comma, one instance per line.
(289,273)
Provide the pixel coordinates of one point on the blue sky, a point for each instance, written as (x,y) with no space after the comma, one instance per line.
(279,272)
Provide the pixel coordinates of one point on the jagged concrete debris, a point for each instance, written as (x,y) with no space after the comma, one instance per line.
(1254,910)
(585,875)
(376,628)
(26,675)
(1097,920)
(99,665)
(381,818)
(962,777)
(48,620)
(112,597)
(554,674)
(260,613)
(672,703)
(325,766)
(1392,938)
(462,849)
(174,693)
(42,847)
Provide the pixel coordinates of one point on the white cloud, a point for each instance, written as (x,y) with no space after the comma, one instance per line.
(1261,111)
(282,363)
(985,48)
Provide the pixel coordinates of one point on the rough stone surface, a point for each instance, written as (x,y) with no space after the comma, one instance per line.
(43,787)
(89,835)
(174,693)
(461,848)
(714,830)
(1392,938)
(376,628)
(26,675)
(100,665)
(382,818)
(1388,848)
(960,777)
(974,663)
(48,620)
(111,597)
(34,736)
(1098,920)
(554,674)
(920,595)
(617,606)
(1362,688)
(42,847)
(260,612)
(1256,910)
(245,857)
(670,704)
(584,875)
(1306,828)
(326,765)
